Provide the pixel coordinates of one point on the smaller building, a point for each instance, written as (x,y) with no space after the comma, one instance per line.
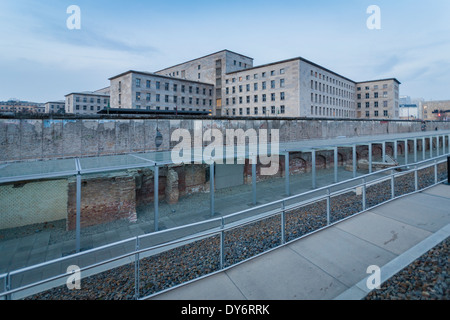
(55,107)
(378,99)
(436,110)
(89,102)
(17,106)
(409,112)
(150,91)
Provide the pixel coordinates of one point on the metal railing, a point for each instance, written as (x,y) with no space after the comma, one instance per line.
(223,232)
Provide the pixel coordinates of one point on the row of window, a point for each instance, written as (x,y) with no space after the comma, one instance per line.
(86,108)
(375,87)
(318,98)
(158,108)
(375,95)
(331,90)
(248,111)
(255,76)
(332,80)
(240,88)
(91,100)
(375,104)
(331,112)
(168,99)
(255,98)
(175,87)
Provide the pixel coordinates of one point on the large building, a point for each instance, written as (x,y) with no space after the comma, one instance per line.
(289,88)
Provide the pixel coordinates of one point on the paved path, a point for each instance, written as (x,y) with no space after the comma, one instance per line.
(332,263)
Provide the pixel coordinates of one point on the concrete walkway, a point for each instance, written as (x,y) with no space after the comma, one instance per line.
(333,263)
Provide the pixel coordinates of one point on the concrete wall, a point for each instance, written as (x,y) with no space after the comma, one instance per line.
(27,139)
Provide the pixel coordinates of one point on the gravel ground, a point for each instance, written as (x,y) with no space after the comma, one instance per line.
(199,258)
(427,278)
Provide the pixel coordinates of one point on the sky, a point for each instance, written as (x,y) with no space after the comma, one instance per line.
(42,60)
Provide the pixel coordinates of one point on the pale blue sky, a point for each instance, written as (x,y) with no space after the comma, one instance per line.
(42,60)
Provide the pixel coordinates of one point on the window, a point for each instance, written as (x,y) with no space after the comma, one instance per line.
(264,110)
(282,109)
(199,67)
(367,114)
(255,98)
(255,110)
(199,76)
(376,113)
(263,75)
(166,86)
(166,98)
(247,87)
(248,111)
(385,113)
(385,94)
(367,95)
(240,100)
(281,71)
(148,97)
(183,100)
(138,82)
(240,88)
(148,84)
(234,90)
(255,76)
(272,109)
(385,86)
(376,95)
(190,89)
(183,88)
(376,104)
(367,104)
(240,111)
(197,90)
(282,96)
(359,96)
(264,85)
(272,96)
(175,88)
(175,99)
(138,96)
(158,97)
(282,83)
(255,86)
(272,84)
(248,99)
(264,97)
(359,105)
(385,104)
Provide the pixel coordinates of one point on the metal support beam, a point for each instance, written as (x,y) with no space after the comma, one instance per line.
(156,197)
(313,165)
(354,161)
(431,147)
(211,189)
(287,173)
(384,151)
(437,146)
(336,160)
(370,158)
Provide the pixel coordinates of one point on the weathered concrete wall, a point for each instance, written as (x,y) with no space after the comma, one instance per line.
(28,139)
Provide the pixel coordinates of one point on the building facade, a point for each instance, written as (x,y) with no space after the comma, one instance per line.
(150,91)
(86,102)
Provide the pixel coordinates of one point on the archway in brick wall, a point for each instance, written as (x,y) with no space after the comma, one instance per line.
(321,162)
(297,164)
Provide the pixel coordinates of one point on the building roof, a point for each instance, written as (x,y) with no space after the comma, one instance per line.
(379,80)
(208,55)
(159,76)
(89,93)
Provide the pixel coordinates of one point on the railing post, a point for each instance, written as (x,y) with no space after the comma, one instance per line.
(392,184)
(222,245)
(283,222)
(136,270)
(328,206)
(416,182)
(364,194)
(435,172)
